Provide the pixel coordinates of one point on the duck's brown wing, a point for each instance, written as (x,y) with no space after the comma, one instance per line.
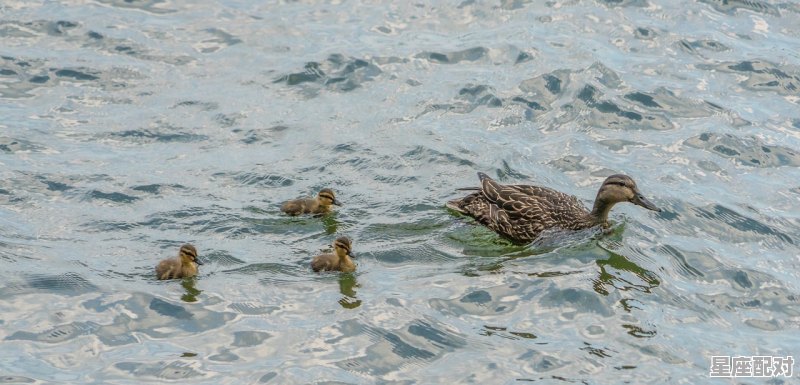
(521,200)
(511,225)
(524,211)
(548,203)
(529,201)
(488,213)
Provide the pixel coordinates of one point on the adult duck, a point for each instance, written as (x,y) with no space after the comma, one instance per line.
(520,212)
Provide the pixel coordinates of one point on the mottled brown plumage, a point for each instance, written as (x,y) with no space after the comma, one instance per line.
(184,265)
(520,212)
(339,260)
(321,204)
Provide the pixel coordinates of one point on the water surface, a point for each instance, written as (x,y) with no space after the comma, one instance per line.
(131,127)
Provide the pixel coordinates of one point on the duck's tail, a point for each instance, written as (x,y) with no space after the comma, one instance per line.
(461,204)
(483,176)
(455,205)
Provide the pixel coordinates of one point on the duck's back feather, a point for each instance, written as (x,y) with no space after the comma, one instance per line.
(521,212)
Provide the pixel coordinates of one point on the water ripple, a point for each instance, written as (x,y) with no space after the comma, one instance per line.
(175,370)
(151,6)
(57,334)
(762,75)
(746,151)
(392,350)
(470,54)
(732,6)
(67,284)
(130,127)
(337,73)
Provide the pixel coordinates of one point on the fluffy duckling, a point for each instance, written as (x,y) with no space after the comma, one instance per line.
(520,213)
(184,265)
(319,205)
(339,260)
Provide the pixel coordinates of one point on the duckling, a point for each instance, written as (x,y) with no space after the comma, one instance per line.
(181,266)
(339,260)
(319,205)
(520,213)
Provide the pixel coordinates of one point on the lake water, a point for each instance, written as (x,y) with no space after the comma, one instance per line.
(132,127)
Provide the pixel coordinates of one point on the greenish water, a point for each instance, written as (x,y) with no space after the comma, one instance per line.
(132,127)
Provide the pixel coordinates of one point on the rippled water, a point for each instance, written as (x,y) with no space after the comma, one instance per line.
(131,127)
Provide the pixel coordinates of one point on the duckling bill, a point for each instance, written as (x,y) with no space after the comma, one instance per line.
(184,265)
(521,212)
(339,260)
(321,204)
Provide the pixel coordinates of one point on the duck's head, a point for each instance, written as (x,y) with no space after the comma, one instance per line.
(327,197)
(342,247)
(189,254)
(621,188)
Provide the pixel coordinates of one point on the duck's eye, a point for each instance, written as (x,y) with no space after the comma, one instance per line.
(616,183)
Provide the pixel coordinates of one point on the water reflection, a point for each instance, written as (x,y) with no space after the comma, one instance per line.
(330,223)
(497,252)
(611,275)
(191,291)
(347,285)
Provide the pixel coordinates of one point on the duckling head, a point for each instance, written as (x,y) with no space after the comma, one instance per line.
(326,197)
(188,254)
(342,247)
(621,188)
